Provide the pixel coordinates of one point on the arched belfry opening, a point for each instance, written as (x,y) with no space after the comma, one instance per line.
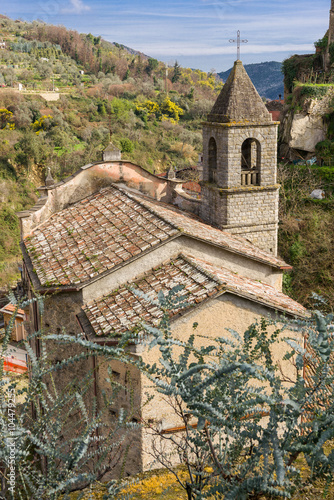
(250,162)
(212,160)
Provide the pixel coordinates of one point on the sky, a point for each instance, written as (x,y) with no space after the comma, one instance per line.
(196,33)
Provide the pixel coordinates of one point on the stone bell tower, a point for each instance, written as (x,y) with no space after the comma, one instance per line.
(239,189)
(330,35)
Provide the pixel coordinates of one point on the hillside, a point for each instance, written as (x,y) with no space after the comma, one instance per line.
(101,88)
(267,78)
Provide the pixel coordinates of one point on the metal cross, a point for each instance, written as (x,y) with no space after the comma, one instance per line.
(238,42)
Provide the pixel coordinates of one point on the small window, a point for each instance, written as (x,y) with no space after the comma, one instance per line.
(250,162)
(212,160)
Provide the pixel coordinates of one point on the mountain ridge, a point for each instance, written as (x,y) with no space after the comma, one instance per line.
(267,78)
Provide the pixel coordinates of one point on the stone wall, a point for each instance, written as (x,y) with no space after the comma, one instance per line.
(251,212)
(244,210)
(229,138)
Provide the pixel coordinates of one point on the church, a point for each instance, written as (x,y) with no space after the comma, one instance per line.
(113,227)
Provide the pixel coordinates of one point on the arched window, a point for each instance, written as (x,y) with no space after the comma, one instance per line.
(250,162)
(212,160)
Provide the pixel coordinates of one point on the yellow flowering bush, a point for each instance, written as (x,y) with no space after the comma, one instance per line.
(155,486)
(44,123)
(150,107)
(170,111)
(6,119)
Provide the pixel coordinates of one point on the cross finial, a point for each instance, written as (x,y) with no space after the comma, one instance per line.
(238,41)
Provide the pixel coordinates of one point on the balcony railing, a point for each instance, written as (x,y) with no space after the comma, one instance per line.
(250,177)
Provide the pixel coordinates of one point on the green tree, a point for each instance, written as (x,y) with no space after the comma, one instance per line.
(126,145)
(152,65)
(177,72)
(248,430)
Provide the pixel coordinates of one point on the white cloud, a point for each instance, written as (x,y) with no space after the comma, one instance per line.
(76,7)
(198,50)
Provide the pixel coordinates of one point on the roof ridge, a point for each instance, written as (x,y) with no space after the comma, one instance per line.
(196,265)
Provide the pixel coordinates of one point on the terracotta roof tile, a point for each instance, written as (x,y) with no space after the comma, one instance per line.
(123,309)
(111,227)
(120,311)
(255,290)
(93,236)
(193,226)
(10,308)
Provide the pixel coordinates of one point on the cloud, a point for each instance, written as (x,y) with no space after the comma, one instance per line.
(76,7)
(198,50)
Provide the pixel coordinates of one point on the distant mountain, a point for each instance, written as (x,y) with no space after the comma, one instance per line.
(266,77)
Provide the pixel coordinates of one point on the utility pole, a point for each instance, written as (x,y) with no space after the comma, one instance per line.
(166,79)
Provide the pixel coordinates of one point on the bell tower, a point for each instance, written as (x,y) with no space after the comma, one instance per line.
(239,187)
(330,35)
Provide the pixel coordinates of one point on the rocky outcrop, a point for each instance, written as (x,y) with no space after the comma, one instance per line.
(304,128)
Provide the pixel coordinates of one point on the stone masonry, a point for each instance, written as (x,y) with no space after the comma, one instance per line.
(240,142)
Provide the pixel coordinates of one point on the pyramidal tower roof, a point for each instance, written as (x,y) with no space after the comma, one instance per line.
(239,100)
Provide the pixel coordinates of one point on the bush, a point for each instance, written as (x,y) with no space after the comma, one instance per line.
(127,146)
(220,394)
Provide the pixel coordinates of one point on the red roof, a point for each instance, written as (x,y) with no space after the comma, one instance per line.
(123,309)
(10,308)
(113,226)
(192,186)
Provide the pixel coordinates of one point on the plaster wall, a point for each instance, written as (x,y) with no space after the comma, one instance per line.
(190,246)
(214,318)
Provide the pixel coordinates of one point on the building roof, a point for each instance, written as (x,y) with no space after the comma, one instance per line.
(238,100)
(111,148)
(113,226)
(193,226)
(10,309)
(123,309)
(93,236)
(252,289)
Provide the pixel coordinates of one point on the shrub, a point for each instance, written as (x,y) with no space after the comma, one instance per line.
(127,146)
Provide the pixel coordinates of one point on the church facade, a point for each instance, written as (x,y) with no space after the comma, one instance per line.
(113,227)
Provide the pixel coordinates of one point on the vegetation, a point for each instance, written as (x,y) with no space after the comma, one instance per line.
(103,88)
(306,232)
(249,430)
(60,442)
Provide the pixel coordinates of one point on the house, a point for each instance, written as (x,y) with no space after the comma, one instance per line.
(113,227)
(275,108)
(18,331)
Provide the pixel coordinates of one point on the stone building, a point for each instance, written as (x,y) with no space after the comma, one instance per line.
(113,224)
(240,192)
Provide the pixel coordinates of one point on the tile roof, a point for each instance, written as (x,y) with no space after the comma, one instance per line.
(93,236)
(193,226)
(121,310)
(112,226)
(10,308)
(252,289)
